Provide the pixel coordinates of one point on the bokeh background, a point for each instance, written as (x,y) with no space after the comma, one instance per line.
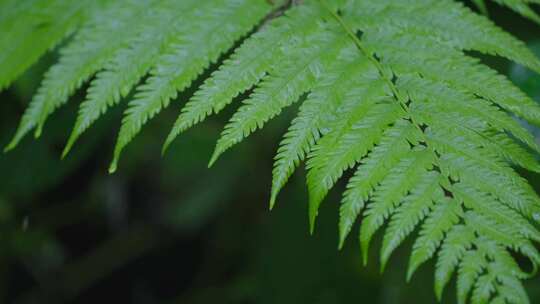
(169,230)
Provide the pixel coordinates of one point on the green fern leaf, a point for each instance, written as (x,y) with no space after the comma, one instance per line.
(30,28)
(246,67)
(470,164)
(413,209)
(350,139)
(443,99)
(451,22)
(299,72)
(315,115)
(455,245)
(470,269)
(196,47)
(389,194)
(87,53)
(414,53)
(394,145)
(130,64)
(490,207)
(503,234)
(512,151)
(443,216)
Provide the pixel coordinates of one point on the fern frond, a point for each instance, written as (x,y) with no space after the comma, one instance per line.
(450,22)
(94,44)
(315,115)
(490,207)
(202,38)
(411,170)
(475,120)
(343,147)
(513,151)
(455,245)
(488,259)
(129,64)
(299,71)
(502,234)
(470,268)
(429,128)
(442,218)
(488,269)
(412,53)
(246,67)
(443,99)
(30,28)
(414,208)
(471,166)
(394,145)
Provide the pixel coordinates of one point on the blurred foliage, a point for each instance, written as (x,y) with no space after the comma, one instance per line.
(167,230)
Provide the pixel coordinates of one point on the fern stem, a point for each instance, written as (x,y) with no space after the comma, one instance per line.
(364,51)
(376,63)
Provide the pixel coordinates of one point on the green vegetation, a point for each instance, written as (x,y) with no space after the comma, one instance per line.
(391,89)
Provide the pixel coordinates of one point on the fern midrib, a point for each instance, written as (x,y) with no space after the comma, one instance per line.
(368,55)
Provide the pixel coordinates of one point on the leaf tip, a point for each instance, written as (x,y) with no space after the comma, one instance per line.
(37,133)
(410,272)
(382,267)
(167,144)
(8,148)
(273,197)
(113,166)
(70,143)
(214,158)
(272,203)
(164,149)
(66,150)
(312,221)
(384,262)
(342,236)
(311,225)
(438,292)
(12,144)
(364,251)
(341,243)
